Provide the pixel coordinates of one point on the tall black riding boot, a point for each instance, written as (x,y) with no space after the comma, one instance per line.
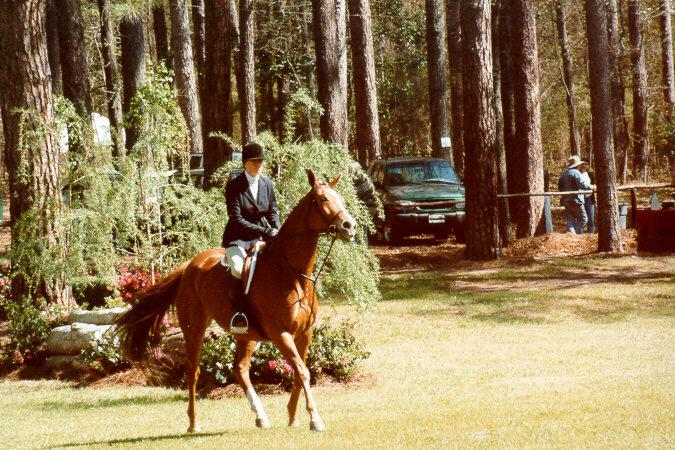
(239,321)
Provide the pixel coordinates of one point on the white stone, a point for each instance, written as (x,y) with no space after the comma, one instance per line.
(72,339)
(97,317)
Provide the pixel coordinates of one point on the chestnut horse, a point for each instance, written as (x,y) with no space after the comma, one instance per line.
(281,300)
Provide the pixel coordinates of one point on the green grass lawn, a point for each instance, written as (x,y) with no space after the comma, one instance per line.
(461,359)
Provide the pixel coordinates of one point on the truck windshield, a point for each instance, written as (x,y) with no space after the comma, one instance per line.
(417,172)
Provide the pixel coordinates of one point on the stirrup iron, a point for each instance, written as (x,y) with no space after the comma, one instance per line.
(239,329)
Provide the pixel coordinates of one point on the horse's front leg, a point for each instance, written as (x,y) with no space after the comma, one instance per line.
(302,345)
(290,351)
(242,364)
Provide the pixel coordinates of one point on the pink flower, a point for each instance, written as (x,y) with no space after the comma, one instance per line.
(272,364)
(17,353)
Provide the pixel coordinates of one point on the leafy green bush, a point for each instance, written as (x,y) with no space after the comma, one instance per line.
(334,351)
(106,356)
(28,329)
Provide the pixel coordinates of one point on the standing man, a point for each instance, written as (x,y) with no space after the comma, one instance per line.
(571,180)
(253,216)
(589,199)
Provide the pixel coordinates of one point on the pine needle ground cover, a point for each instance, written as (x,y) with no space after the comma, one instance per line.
(517,356)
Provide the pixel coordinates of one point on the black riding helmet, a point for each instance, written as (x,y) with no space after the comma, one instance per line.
(252,150)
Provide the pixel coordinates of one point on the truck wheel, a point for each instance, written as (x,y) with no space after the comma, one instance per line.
(460,235)
(390,235)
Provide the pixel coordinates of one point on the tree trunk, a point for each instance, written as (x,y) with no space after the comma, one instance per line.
(506,79)
(619,122)
(609,238)
(133,70)
(181,46)
(640,134)
(246,80)
(437,66)
(73,55)
(504,212)
(330,30)
(112,80)
(53,47)
(527,138)
(33,165)
(365,86)
(480,137)
(217,106)
(283,90)
(667,60)
(568,79)
(161,40)
(452,17)
(198,21)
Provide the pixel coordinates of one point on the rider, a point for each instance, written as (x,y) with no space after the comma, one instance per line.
(253,216)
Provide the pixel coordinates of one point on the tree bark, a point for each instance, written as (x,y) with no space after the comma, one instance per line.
(53,47)
(330,30)
(112,80)
(181,46)
(505,230)
(33,165)
(480,138)
(437,66)
(365,86)
(217,106)
(568,77)
(640,134)
(246,80)
(506,79)
(527,139)
(73,54)
(619,121)
(161,35)
(199,36)
(133,70)
(452,17)
(667,60)
(609,237)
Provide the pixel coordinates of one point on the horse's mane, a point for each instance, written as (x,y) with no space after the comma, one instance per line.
(290,222)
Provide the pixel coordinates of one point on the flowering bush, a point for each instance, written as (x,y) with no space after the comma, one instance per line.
(28,329)
(106,355)
(334,351)
(129,282)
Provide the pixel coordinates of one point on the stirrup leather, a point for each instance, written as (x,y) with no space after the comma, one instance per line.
(239,329)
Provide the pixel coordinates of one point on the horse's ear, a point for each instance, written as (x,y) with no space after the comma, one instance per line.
(311,177)
(334,181)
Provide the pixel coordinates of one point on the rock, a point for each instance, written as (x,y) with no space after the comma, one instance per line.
(98,317)
(76,362)
(71,339)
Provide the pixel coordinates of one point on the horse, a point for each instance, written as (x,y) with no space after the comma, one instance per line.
(281,299)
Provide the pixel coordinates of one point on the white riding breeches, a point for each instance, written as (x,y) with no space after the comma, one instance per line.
(235,258)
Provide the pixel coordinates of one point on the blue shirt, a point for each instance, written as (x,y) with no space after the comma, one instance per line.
(571,180)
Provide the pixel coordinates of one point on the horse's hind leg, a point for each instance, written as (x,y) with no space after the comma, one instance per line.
(287,347)
(193,321)
(242,364)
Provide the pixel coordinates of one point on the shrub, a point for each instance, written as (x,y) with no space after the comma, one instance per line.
(28,329)
(129,282)
(334,351)
(106,355)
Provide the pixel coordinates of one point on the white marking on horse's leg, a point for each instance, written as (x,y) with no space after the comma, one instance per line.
(261,419)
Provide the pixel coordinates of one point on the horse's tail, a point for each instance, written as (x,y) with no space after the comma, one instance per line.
(140,327)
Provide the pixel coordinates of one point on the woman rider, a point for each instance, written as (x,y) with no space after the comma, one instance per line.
(253,216)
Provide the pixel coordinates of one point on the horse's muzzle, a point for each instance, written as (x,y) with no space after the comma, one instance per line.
(345,229)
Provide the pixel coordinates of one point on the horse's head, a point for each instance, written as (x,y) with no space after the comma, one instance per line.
(328,212)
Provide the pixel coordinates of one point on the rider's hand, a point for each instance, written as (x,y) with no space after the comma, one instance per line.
(271,233)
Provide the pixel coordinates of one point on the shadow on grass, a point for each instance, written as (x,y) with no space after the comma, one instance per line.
(110,403)
(140,439)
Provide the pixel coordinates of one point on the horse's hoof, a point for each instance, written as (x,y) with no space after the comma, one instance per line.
(317,425)
(194,429)
(263,423)
(294,423)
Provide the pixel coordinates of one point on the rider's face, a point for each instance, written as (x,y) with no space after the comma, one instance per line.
(254,167)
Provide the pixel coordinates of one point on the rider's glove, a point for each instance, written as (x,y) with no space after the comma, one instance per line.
(271,233)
